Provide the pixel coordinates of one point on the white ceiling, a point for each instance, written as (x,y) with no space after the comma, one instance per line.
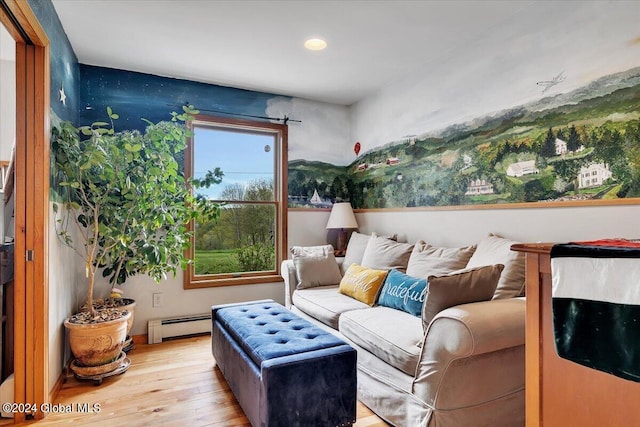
(258,45)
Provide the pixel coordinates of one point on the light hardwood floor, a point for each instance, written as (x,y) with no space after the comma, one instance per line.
(174,383)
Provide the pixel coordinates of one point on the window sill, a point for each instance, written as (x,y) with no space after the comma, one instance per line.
(213,283)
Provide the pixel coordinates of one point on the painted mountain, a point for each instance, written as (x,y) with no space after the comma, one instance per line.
(582,145)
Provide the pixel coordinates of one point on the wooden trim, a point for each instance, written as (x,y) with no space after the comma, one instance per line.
(62,378)
(532,341)
(20,298)
(27,196)
(38,157)
(31,370)
(536,248)
(140,339)
(190,280)
(7,21)
(530,205)
(207,282)
(318,210)
(28,22)
(284,197)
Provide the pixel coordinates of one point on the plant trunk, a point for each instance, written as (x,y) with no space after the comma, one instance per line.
(117,273)
(91,274)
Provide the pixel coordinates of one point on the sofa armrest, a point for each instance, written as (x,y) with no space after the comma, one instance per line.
(288,273)
(472,353)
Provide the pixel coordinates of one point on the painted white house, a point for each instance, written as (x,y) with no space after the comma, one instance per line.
(479,186)
(593,175)
(522,168)
(561,147)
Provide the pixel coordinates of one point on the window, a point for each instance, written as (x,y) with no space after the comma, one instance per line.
(248,241)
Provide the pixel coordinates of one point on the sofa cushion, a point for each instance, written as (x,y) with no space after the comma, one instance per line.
(362,283)
(315,266)
(386,254)
(403,292)
(391,335)
(356,247)
(460,287)
(497,250)
(427,260)
(325,304)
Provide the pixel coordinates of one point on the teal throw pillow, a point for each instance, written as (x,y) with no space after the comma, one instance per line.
(403,292)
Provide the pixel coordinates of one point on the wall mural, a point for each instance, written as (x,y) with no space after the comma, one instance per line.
(63,63)
(575,146)
(137,95)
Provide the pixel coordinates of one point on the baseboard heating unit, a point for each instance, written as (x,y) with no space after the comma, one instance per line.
(178,327)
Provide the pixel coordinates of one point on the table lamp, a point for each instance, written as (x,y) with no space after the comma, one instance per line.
(342,219)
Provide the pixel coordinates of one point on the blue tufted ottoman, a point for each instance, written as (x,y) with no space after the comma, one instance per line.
(284,371)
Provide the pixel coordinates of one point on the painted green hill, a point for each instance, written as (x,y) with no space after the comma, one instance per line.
(508,157)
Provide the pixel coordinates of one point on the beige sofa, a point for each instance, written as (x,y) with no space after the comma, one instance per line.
(464,368)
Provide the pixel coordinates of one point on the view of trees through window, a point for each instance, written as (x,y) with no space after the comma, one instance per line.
(243,239)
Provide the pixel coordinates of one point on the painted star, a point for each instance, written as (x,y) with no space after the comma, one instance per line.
(63,97)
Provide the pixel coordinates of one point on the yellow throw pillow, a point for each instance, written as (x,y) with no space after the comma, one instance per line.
(362,283)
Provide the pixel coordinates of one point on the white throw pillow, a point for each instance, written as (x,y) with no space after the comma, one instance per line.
(356,247)
(315,266)
(386,254)
(497,250)
(427,260)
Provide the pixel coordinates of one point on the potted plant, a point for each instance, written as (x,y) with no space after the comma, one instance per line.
(130,203)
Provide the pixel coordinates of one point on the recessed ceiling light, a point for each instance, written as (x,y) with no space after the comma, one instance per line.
(315,44)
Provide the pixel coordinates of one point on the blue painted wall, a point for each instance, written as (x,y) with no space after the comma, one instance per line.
(63,61)
(135,95)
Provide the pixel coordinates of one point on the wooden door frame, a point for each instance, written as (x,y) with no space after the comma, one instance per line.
(31,277)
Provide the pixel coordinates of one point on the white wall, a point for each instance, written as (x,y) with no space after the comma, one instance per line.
(457,228)
(66,278)
(7,93)
(7,107)
(180,302)
(463,227)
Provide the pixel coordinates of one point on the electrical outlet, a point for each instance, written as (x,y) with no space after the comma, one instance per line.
(157,299)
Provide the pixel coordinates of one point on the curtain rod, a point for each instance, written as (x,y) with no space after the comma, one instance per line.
(284,119)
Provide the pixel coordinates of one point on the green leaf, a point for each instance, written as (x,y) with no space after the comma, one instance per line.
(132,148)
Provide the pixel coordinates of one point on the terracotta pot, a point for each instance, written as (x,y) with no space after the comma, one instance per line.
(95,344)
(129,307)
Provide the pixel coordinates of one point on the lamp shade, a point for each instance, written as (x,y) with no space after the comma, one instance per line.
(342,216)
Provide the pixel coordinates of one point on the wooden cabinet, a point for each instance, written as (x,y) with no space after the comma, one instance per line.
(561,393)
